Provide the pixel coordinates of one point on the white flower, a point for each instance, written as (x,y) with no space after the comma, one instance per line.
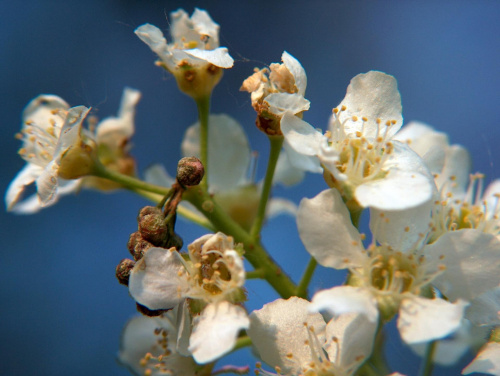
(50,128)
(391,276)
(230,159)
(296,342)
(487,361)
(212,278)
(149,347)
(358,153)
(280,90)
(195,41)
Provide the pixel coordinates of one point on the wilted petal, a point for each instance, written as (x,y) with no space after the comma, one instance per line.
(219,57)
(327,232)
(297,71)
(346,299)
(423,320)
(279,103)
(355,334)
(373,95)
(25,177)
(158,280)
(216,330)
(472,261)
(228,150)
(487,361)
(278,329)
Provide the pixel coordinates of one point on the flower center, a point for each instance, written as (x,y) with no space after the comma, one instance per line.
(471,211)
(157,364)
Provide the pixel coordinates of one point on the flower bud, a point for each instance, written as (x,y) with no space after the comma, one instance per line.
(123,271)
(190,171)
(153,229)
(137,246)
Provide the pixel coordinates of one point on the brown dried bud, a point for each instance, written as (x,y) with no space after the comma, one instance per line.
(149,312)
(153,229)
(123,271)
(134,238)
(148,210)
(190,171)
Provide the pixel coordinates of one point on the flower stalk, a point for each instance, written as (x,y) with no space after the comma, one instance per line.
(203,105)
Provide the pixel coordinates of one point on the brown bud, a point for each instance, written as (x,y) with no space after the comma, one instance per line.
(140,248)
(153,229)
(123,271)
(149,312)
(134,238)
(148,210)
(190,171)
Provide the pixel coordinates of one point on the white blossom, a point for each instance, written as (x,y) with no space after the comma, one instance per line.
(391,276)
(149,347)
(195,41)
(358,153)
(487,361)
(213,278)
(296,342)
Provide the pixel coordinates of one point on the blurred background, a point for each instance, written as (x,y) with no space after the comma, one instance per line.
(62,308)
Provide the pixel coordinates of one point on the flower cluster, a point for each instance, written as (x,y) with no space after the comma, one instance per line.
(430,259)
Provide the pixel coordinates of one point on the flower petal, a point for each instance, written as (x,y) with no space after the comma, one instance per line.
(485,309)
(157,174)
(14,193)
(277,206)
(279,103)
(219,57)
(373,95)
(228,149)
(354,334)
(216,330)
(157,281)
(487,361)
(285,173)
(278,330)
(154,38)
(327,232)
(472,261)
(346,299)
(297,71)
(423,320)
(302,138)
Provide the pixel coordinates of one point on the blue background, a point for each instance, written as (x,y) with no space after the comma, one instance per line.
(62,308)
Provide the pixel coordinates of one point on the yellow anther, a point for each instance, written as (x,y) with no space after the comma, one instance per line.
(354,118)
(364,118)
(343,108)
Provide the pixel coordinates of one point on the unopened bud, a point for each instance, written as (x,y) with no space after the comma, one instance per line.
(190,171)
(153,229)
(149,312)
(123,271)
(148,210)
(137,246)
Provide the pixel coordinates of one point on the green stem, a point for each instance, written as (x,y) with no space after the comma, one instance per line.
(203,105)
(242,342)
(128,181)
(254,252)
(276,143)
(427,363)
(306,277)
(255,274)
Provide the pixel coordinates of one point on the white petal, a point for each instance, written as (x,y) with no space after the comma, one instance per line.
(472,261)
(113,130)
(423,320)
(41,109)
(219,57)
(25,177)
(278,329)
(301,161)
(355,334)
(277,206)
(373,95)
(182,323)
(327,232)
(216,330)
(279,103)
(70,132)
(285,173)
(138,338)
(203,24)
(401,229)
(154,38)
(228,150)
(485,309)
(157,174)
(455,174)
(155,281)
(46,184)
(407,184)
(487,361)
(346,299)
(301,136)
(492,194)
(297,71)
